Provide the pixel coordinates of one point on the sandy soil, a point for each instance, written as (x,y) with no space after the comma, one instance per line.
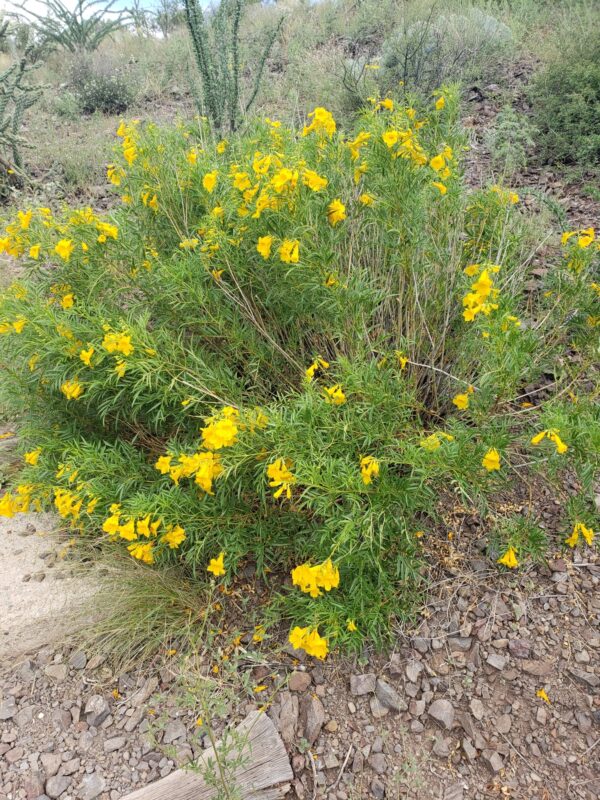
(41,599)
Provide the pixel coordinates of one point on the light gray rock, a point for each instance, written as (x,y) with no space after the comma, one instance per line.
(116,743)
(442,711)
(378,763)
(389,697)
(51,763)
(288,716)
(96,710)
(173,731)
(477,708)
(363,684)
(8,708)
(312,717)
(492,760)
(414,670)
(91,786)
(57,672)
(496,661)
(57,785)
(78,659)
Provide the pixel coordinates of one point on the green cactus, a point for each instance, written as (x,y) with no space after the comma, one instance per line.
(215,44)
(16,96)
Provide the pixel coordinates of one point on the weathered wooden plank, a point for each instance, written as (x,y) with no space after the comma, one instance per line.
(260,776)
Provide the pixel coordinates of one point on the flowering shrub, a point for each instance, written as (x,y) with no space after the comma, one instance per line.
(281,349)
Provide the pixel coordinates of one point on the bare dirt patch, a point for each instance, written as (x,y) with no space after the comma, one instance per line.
(41,597)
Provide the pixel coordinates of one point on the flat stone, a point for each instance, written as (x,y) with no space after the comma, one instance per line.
(492,760)
(91,786)
(389,697)
(58,672)
(299,681)
(312,717)
(96,710)
(14,755)
(503,723)
(538,668)
(460,643)
(330,761)
(519,648)
(51,763)
(288,716)
(24,716)
(117,742)
(173,731)
(496,661)
(78,659)
(455,791)
(33,784)
(378,710)
(440,747)
(442,711)
(413,671)
(477,708)
(363,684)
(585,677)
(8,708)
(468,749)
(378,763)
(62,718)
(57,785)
(378,788)
(420,644)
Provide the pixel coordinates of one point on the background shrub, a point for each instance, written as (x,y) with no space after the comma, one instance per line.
(428,50)
(565,96)
(100,85)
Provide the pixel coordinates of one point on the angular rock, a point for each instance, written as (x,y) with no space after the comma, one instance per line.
(496,661)
(468,749)
(57,785)
(389,697)
(377,708)
(477,708)
(503,723)
(519,648)
(91,786)
(455,791)
(585,677)
(442,711)
(378,788)
(8,708)
(492,760)
(440,747)
(134,720)
(96,710)
(413,671)
(173,731)
(58,672)
(538,668)
(51,763)
(299,681)
(25,716)
(312,717)
(78,659)
(33,784)
(288,716)
(116,743)
(363,684)
(378,763)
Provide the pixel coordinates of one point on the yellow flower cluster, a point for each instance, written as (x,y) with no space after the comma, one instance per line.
(509,559)
(369,469)
(72,389)
(309,640)
(281,478)
(553,435)
(137,530)
(479,299)
(128,134)
(20,503)
(311,579)
(577,248)
(323,124)
(579,529)
(432,442)
(221,430)
(203,466)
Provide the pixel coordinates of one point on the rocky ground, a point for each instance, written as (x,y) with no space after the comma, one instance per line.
(451,713)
